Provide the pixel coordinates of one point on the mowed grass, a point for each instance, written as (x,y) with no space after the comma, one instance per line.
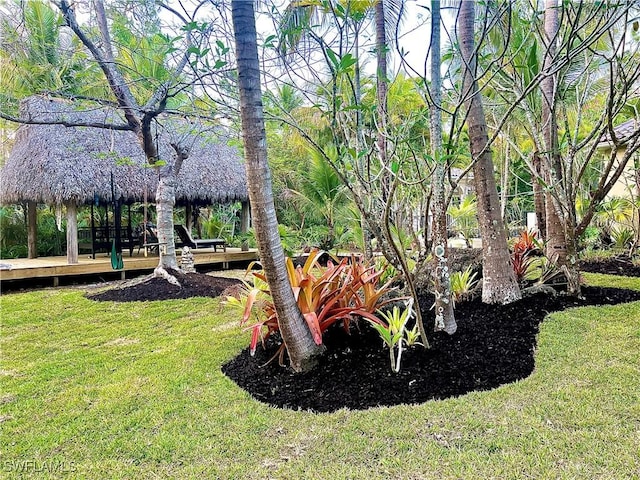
(106,390)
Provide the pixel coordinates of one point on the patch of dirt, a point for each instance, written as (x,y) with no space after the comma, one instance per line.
(150,288)
(494,345)
(618,265)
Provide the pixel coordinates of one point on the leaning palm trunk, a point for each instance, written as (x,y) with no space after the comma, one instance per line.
(445,318)
(303,351)
(499,281)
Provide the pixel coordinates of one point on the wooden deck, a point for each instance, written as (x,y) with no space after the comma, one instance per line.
(56,267)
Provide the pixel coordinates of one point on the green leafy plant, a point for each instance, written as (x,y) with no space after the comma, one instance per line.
(219,221)
(590,239)
(622,237)
(289,239)
(548,270)
(390,273)
(394,333)
(464,216)
(463,284)
(339,293)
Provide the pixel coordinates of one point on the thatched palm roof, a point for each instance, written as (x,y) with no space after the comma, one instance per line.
(54,164)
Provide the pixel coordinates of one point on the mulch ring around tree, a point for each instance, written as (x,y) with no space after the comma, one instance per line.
(494,345)
(192,285)
(618,265)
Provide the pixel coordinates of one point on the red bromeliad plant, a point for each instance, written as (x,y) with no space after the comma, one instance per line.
(340,292)
(522,258)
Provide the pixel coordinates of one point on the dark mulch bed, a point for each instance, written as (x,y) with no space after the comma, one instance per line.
(193,285)
(494,345)
(618,265)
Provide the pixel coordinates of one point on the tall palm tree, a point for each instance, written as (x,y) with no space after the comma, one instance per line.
(499,281)
(301,347)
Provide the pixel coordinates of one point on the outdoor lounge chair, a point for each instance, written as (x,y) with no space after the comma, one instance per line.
(186,239)
(152,244)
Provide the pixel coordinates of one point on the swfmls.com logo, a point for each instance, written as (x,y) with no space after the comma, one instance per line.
(36,466)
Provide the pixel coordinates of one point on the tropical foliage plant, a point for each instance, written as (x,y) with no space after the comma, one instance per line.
(464,217)
(622,237)
(463,284)
(395,334)
(338,294)
(522,255)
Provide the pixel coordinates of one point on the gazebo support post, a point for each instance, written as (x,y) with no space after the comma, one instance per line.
(93,233)
(188,217)
(72,232)
(245,223)
(32,229)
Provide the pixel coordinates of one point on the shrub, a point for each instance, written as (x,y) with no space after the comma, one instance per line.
(336,294)
(463,284)
(622,237)
(522,259)
(394,333)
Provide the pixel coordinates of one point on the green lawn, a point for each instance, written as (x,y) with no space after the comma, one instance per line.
(106,390)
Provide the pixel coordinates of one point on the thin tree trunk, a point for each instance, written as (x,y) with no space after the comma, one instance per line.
(32,229)
(165,202)
(381,92)
(560,240)
(538,197)
(72,232)
(504,184)
(139,123)
(245,224)
(499,281)
(556,242)
(360,142)
(636,208)
(445,318)
(303,351)
(188,217)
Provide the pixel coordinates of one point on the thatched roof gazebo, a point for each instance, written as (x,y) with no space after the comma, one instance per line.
(71,166)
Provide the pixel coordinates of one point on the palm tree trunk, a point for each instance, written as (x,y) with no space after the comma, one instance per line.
(445,318)
(499,281)
(303,351)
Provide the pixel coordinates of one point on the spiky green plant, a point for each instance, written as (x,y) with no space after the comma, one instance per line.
(394,333)
(463,284)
